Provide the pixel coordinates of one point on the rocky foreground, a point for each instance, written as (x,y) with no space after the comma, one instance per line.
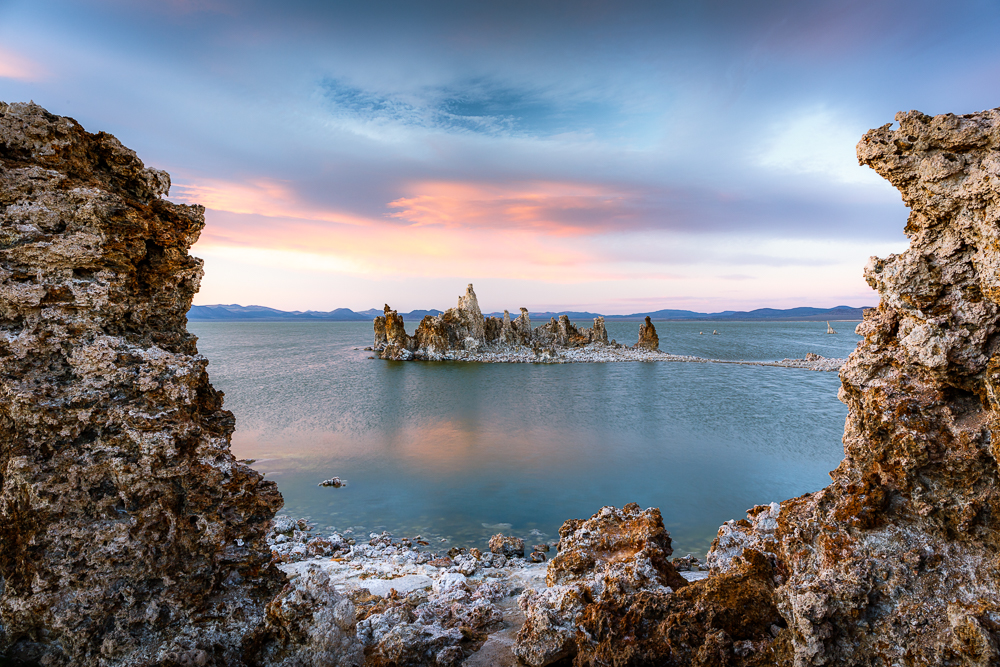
(397,602)
(130,536)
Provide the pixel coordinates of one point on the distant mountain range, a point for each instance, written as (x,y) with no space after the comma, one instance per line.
(234,312)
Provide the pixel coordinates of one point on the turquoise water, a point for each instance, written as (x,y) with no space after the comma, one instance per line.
(456,451)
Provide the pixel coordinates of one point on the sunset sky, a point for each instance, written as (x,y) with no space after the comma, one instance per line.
(608,156)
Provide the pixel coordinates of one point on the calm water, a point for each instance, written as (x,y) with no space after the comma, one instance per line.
(460,451)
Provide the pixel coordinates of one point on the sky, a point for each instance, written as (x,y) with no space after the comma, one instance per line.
(616,157)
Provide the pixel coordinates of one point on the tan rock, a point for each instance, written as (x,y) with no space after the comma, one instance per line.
(506,545)
(128,532)
(896,561)
(647,336)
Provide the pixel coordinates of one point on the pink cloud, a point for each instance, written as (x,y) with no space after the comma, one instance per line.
(15,66)
(557,208)
(261,196)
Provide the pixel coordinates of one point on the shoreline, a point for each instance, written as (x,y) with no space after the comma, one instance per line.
(465,606)
(598,353)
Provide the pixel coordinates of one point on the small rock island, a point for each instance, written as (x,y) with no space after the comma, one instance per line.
(463,334)
(463,329)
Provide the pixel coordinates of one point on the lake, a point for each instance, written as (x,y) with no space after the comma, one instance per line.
(458,451)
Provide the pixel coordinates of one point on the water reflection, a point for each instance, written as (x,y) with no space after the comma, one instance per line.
(454,449)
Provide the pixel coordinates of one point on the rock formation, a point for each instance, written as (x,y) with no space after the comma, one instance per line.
(130,536)
(464,328)
(128,533)
(564,333)
(647,336)
(614,598)
(896,562)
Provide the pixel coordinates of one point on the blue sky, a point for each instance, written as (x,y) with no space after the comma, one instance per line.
(615,157)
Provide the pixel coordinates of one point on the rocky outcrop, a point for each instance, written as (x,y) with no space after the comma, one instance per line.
(128,533)
(464,329)
(614,598)
(563,333)
(391,339)
(647,336)
(615,553)
(508,546)
(756,533)
(896,561)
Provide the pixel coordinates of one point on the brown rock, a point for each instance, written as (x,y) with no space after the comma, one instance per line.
(599,334)
(613,558)
(127,529)
(647,336)
(459,328)
(629,544)
(896,561)
(725,620)
(390,332)
(522,327)
(507,546)
(756,532)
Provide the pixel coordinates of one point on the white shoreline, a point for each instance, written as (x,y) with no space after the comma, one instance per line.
(597,353)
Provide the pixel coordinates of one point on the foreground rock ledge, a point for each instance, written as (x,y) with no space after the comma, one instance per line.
(128,533)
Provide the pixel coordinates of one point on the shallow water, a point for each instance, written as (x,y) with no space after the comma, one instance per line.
(457,451)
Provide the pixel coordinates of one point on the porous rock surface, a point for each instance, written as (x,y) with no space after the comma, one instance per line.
(756,532)
(614,598)
(128,533)
(896,562)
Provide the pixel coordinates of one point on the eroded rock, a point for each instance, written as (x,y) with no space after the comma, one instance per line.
(507,546)
(896,561)
(462,331)
(756,532)
(616,556)
(647,336)
(128,532)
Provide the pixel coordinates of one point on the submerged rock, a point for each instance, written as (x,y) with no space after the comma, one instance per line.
(129,535)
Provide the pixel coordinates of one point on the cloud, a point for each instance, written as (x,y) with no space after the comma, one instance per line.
(478,105)
(558,208)
(817,141)
(260,196)
(16,66)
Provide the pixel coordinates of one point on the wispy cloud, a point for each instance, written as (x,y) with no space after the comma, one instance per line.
(478,106)
(259,196)
(558,208)
(13,65)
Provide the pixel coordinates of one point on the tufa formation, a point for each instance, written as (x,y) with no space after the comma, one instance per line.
(896,562)
(464,328)
(128,533)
